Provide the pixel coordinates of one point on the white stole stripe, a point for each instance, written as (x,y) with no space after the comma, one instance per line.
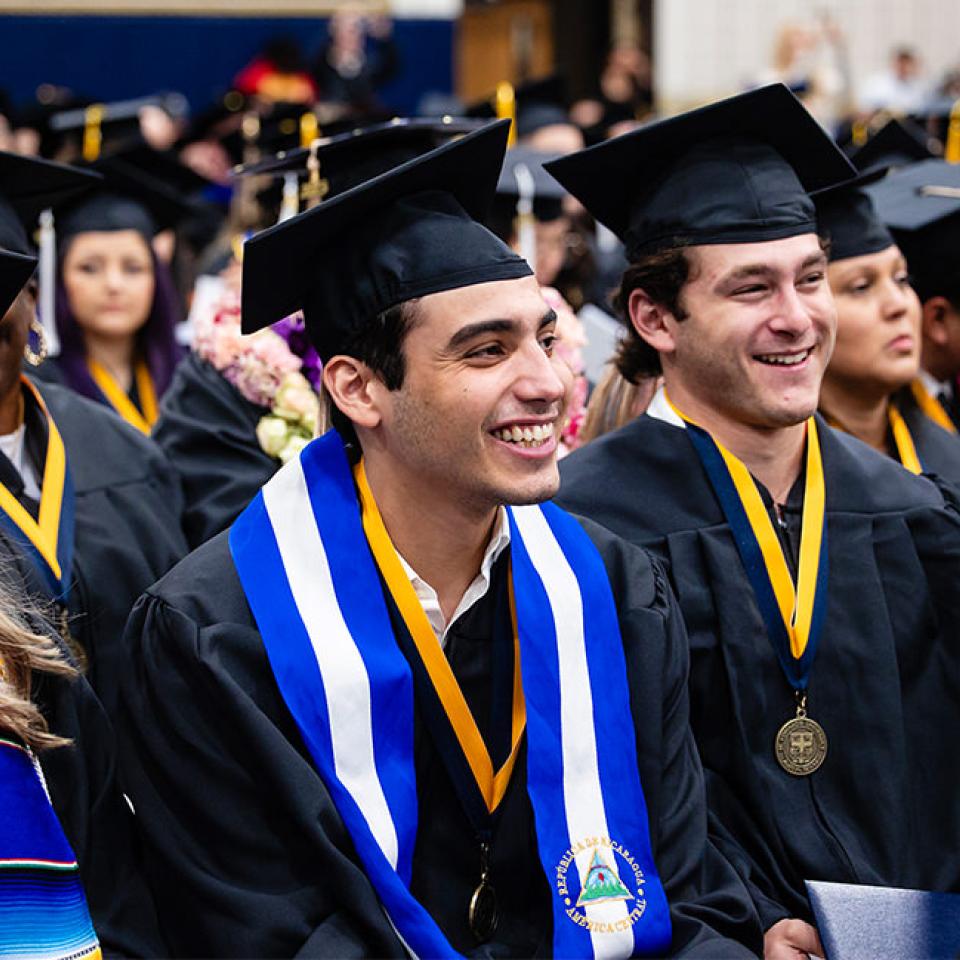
(345,681)
(582,792)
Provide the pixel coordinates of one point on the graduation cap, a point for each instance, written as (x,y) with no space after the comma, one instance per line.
(737,171)
(921,206)
(128,199)
(848,217)
(896,144)
(536,104)
(407,233)
(15,270)
(29,185)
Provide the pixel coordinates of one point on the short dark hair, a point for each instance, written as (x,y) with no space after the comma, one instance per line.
(661,276)
(380,346)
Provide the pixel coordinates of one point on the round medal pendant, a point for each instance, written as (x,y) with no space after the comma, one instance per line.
(801,746)
(483,912)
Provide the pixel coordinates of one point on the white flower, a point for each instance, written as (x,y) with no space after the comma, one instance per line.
(272,434)
(295,443)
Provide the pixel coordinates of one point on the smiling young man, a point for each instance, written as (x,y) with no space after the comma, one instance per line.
(403,706)
(817,578)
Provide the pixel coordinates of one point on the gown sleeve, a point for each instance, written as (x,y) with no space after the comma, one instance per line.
(98,823)
(244,849)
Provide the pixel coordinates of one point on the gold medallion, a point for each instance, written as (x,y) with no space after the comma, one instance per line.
(483,912)
(801,746)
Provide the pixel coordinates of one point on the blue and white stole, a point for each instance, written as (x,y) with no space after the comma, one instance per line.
(43,910)
(313,587)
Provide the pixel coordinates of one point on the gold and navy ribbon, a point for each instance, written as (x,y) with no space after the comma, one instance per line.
(931,406)
(792,613)
(144,418)
(491,783)
(48,540)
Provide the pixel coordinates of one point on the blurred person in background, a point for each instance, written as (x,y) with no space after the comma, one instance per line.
(279,73)
(870,387)
(91,505)
(901,88)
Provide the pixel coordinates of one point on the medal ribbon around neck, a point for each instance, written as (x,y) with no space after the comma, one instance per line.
(48,540)
(793,614)
(931,406)
(119,400)
(906,448)
(491,784)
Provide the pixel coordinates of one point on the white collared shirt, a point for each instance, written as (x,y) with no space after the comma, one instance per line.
(936,388)
(660,409)
(428,598)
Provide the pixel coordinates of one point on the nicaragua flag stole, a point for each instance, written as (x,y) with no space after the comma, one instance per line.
(313,587)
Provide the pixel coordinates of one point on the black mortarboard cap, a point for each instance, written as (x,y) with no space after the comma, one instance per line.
(15,270)
(848,217)
(407,233)
(541,103)
(920,204)
(29,185)
(737,171)
(896,144)
(523,168)
(348,159)
(128,199)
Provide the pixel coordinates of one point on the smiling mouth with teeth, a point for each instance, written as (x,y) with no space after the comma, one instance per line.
(784,359)
(535,436)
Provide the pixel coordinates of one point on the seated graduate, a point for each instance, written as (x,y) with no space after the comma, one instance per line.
(92,505)
(412,717)
(218,421)
(817,577)
(920,203)
(69,883)
(116,307)
(871,387)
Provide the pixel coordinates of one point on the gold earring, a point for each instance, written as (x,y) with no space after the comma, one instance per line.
(36,357)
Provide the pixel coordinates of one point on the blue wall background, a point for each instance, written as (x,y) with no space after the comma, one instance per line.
(116,57)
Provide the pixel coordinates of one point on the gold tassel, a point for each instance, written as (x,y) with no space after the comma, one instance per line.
(506,106)
(951,151)
(92,133)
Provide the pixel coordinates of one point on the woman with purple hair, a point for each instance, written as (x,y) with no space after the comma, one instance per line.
(116,307)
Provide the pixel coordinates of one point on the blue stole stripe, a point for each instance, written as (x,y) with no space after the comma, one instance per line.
(796,670)
(258,548)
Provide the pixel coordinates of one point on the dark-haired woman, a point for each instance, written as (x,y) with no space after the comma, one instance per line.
(116,309)
(871,387)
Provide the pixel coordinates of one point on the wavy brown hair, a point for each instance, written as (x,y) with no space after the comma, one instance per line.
(24,653)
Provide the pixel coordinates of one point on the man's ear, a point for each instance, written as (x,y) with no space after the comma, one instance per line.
(934,320)
(652,321)
(355,389)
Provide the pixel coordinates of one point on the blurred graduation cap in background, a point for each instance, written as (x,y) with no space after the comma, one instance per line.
(407,233)
(736,171)
(31,190)
(896,144)
(920,204)
(331,165)
(526,194)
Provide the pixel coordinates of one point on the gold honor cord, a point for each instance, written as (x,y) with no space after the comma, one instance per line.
(492,785)
(43,533)
(906,449)
(796,603)
(931,406)
(121,402)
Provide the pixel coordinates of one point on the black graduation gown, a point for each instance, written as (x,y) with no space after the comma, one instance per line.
(127,526)
(938,449)
(51,371)
(207,429)
(885,684)
(81,779)
(245,851)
